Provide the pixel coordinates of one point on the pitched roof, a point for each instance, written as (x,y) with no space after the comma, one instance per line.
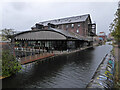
(73,19)
(69,34)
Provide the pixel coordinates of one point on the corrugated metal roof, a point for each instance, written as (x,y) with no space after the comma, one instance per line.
(36,35)
(41,35)
(73,19)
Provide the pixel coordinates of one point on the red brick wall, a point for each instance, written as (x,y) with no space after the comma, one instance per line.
(83,28)
(73,29)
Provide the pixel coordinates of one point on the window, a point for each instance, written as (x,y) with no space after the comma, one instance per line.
(78,25)
(77,31)
(66,26)
(62,26)
(72,25)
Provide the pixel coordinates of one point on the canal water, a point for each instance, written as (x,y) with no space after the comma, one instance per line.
(68,71)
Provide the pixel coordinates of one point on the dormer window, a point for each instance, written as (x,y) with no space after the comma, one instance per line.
(72,25)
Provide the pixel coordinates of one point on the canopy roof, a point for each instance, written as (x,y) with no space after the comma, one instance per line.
(48,34)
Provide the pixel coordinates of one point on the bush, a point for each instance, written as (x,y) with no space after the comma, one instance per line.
(9,64)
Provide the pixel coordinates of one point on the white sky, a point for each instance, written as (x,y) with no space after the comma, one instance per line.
(21,14)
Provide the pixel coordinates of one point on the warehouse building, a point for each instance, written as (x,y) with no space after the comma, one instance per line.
(81,25)
(60,34)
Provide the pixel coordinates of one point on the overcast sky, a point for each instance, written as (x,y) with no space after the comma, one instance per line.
(23,15)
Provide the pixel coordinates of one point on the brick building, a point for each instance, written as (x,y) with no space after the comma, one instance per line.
(81,25)
(59,34)
(102,36)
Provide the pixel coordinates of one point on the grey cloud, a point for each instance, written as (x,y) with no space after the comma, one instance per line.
(18,5)
(23,15)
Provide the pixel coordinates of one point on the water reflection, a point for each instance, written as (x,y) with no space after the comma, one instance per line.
(67,71)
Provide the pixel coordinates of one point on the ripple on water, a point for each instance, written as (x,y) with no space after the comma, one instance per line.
(68,71)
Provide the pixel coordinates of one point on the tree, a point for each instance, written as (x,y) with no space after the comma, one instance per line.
(9,64)
(7,34)
(115,26)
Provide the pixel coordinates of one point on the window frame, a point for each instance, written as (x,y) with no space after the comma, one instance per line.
(77,30)
(72,25)
(78,25)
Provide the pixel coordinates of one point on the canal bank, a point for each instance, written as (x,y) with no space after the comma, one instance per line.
(104,75)
(66,71)
(116,52)
(42,57)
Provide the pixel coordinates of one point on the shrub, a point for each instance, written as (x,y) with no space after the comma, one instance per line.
(9,64)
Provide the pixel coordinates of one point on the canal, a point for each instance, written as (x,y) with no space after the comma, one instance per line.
(68,71)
